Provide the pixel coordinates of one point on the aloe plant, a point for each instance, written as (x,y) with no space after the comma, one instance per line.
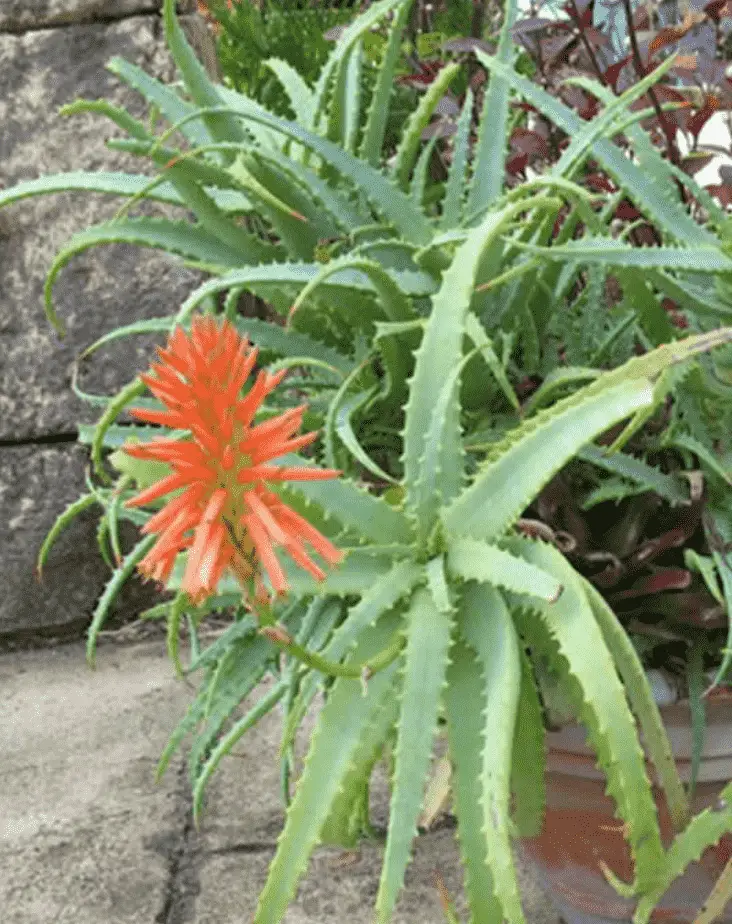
(408,311)
(460,606)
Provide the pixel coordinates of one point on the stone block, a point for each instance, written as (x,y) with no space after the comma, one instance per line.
(24,15)
(36,484)
(104,287)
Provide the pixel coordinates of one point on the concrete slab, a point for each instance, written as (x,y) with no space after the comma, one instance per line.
(343,886)
(85,834)
(340,886)
(244,816)
(87,837)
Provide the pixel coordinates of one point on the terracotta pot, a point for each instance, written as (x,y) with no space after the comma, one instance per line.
(581,829)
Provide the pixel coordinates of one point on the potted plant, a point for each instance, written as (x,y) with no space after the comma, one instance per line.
(423,312)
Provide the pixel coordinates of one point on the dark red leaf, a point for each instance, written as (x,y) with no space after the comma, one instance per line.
(526,386)
(468,44)
(596,38)
(428,71)
(585,105)
(526,107)
(696,122)
(554,48)
(715,9)
(641,20)
(692,163)
(645,235)
(517,164)
(626,211)
(662,579)
(534,24)
(687,607)
(667,36)
(722,192)
(478,80)
(666,94)
(672,539)
(612,74)
(558,224)
(599,182)
(585,20)
(670,34)
(525,141)
(676,316)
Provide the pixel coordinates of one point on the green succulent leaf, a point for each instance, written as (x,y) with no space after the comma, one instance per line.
(176,613)
(170,104)
(378,111)
(111,590)
(612,252)
(425,664)
(334,745)
(718,899)
(642,703)
(406,155)
(572,627)
(452,206)
(646,476)
(465,728)
(233,677)
(70,513)
(389,201)
(128,185)
(533,453)
(603,125)
(372,517)
(650,198)
(703,831)
(384,593)
(348,820)
(226,743)
(490,153)
(473,560)
(486,625)
(528,766)
(191,242)
(438,355)
(204,93)
(262,279)
(338,59)
(301,97)
(286,341)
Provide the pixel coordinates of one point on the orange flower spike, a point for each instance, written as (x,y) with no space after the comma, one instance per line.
(225,516)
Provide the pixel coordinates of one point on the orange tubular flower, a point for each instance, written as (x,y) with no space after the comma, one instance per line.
(225,515)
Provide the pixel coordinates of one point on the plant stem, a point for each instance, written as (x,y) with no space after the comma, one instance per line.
(576,19)
(668,131)
(279,636)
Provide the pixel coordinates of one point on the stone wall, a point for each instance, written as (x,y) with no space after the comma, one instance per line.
(51,52)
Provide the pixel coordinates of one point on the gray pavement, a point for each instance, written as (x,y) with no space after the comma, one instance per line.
(88,837)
